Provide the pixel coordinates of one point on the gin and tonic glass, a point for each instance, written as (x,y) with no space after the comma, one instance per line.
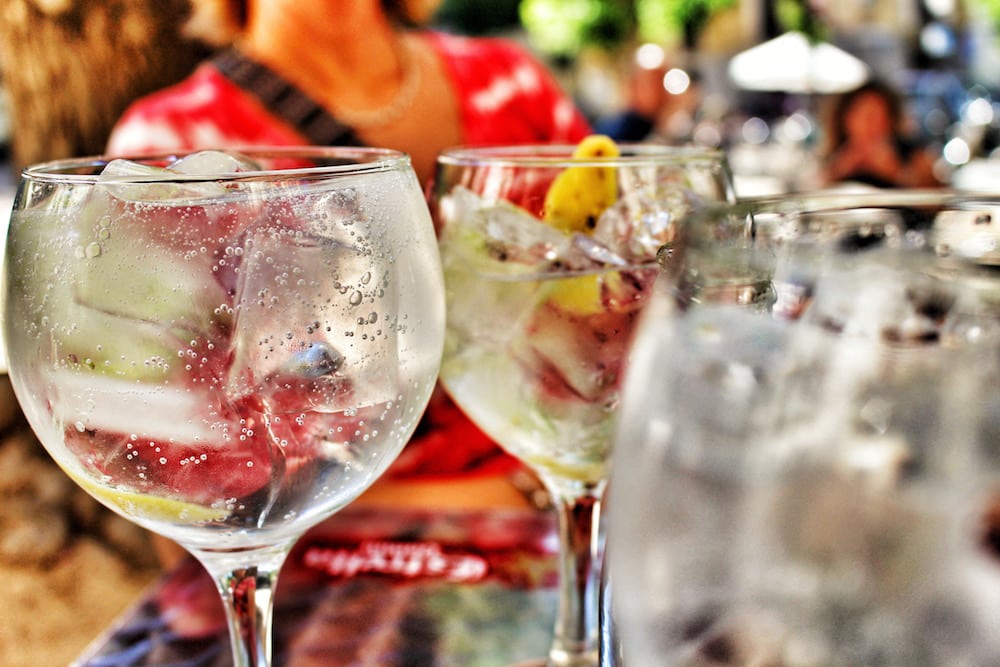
(541,309)
(225,348)
(807,468)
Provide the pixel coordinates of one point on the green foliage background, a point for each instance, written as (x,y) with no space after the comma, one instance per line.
(564,27)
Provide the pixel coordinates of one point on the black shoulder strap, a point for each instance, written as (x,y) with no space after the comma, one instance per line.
(285,100)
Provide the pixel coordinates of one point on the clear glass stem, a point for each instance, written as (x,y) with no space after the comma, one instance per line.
(577,632)
(246,582)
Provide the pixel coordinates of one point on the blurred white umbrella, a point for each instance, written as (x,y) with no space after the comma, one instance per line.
(791,63)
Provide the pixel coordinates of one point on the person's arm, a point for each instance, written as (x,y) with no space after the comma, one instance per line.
(877,160)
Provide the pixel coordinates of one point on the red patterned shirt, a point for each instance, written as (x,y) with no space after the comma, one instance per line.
(504,95)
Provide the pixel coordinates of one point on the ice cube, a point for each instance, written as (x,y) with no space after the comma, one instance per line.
(176,208)
(310,330)
(587,252)
(213,163)
(336,215)
(513,233)
(121,168)
(642,221)
(130,263)
(119,408)
(575,343)
(119,180)
(521,236)
(576,357)
(132,299)
(139,182)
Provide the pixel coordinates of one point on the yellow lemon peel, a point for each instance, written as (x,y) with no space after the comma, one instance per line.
(575,201)
(578,195)
(146,506)
(578,294)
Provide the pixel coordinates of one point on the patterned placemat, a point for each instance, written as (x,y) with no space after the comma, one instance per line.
(369,587)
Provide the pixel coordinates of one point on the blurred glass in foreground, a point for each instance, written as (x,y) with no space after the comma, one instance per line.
(807,467)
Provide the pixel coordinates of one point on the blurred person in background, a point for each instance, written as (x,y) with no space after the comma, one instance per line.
(645,99)
(349,72)
(364,72)
(868,143)
(661,104)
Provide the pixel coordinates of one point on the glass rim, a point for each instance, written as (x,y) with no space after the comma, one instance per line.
(86,170)
(821,201)
(829,214)
(561,155)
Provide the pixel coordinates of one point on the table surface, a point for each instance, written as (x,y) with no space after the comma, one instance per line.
(372,585)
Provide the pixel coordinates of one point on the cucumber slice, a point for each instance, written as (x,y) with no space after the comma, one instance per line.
(101,288)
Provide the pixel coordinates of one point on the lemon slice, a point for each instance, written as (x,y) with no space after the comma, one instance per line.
(579,195)
(580,294)
(589,294)
(149,507)
(574,202)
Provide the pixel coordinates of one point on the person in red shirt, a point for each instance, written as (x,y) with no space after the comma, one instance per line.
(359,72)
(351,72)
